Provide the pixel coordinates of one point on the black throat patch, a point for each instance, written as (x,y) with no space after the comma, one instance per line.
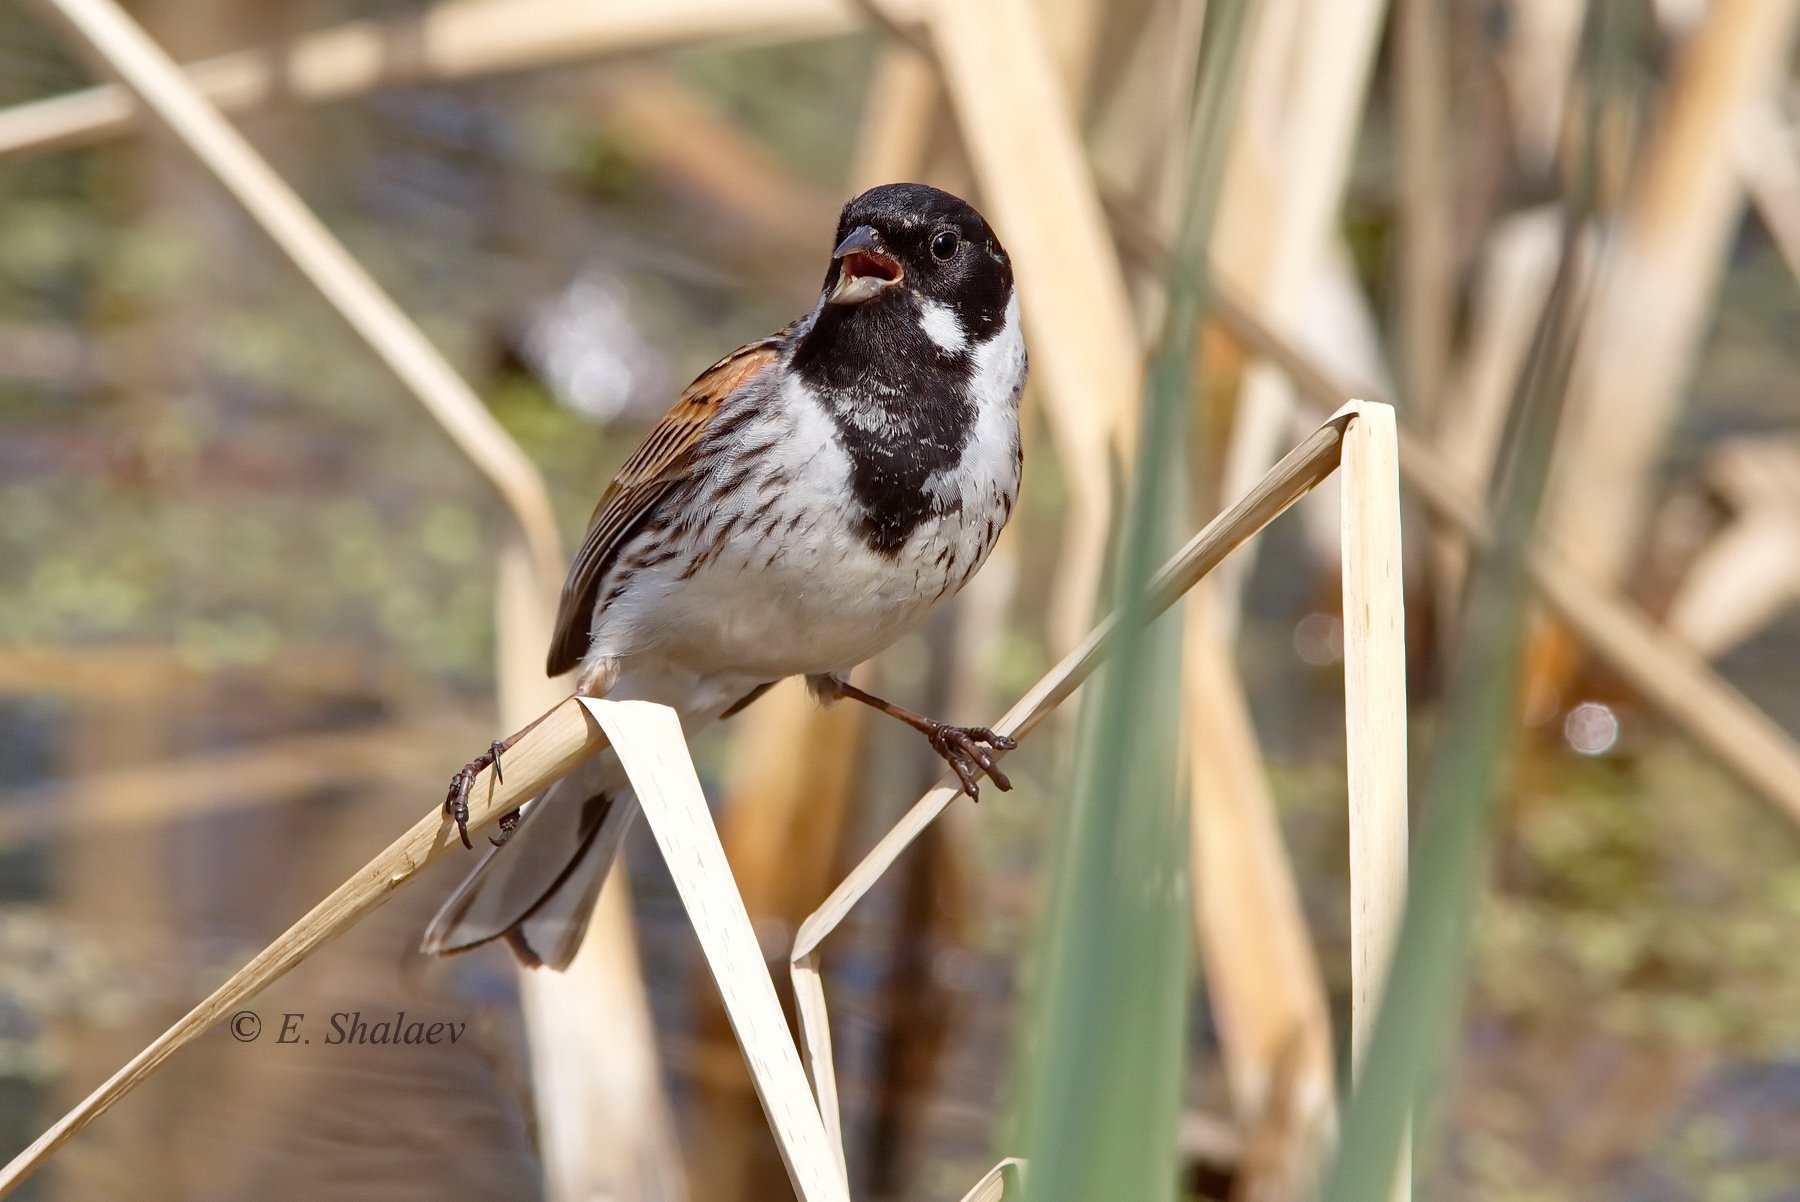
(901,405)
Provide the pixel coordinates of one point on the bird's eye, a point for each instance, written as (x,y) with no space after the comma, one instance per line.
(944,245)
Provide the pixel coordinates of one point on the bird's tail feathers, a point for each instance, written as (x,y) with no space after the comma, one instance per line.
(538,890)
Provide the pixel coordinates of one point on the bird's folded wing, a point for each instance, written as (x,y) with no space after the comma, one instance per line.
(661,461)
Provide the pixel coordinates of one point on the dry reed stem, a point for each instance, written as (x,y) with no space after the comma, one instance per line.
(605,1127)
(374,316)
(815,1046)
(1298,472)
(449,40)
(1375,715)
(1016,123)
(649,743)
(1663,671)
(1297,122)
(565,737)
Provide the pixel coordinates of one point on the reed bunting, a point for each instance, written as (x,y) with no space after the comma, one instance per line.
(805,503)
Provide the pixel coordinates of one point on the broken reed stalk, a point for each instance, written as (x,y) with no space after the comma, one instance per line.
(653,750)
(1375,716)
(569,734)
(1298,472)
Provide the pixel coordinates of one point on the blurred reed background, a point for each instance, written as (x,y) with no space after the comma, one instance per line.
(256,606)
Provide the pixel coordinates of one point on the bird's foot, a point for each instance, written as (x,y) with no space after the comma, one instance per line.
(456,803)
(966,750)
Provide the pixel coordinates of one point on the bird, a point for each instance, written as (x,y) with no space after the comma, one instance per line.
(806,502)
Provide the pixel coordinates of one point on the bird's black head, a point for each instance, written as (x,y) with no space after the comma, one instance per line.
(913,341)
(902,250)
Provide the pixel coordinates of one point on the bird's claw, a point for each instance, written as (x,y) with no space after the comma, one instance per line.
(963,749)
(456,802)
(509,822)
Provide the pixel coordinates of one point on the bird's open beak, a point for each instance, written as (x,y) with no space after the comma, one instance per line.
(865,268)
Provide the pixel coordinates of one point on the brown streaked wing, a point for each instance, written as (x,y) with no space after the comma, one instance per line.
(659,463)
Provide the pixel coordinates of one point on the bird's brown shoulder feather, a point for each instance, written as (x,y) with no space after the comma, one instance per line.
(660,462)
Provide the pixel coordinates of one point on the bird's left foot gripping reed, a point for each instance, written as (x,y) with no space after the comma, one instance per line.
(456,802)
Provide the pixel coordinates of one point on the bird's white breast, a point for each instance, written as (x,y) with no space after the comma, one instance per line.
(795,588)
